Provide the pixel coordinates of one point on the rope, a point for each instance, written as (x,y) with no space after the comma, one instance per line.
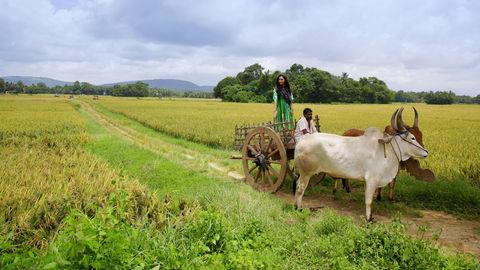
(399,150)
(413,144)
(398,146)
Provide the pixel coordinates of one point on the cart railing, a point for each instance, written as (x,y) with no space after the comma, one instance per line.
(286,131)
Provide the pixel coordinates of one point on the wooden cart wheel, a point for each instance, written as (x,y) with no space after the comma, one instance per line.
(264,159)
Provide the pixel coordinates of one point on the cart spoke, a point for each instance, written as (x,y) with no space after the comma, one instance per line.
(258,148)
(262,141)
(251,148)
(259,172)
(258,144)
(272,153)
(269,145)
(270,167)
(269,178)
(253,168)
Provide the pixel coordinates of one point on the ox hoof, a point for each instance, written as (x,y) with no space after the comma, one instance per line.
(371,219)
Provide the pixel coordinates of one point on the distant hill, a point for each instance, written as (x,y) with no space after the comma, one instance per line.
(28,80)
(171,84)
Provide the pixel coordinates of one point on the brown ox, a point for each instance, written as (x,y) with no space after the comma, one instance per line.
(412,166)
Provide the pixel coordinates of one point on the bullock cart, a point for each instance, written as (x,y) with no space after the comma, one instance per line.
(266,149)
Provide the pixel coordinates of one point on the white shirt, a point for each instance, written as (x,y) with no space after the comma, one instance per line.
(301,125)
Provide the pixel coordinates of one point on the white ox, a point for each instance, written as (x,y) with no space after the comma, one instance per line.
(373,157)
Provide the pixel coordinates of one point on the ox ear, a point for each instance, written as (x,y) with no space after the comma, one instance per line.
(385,139)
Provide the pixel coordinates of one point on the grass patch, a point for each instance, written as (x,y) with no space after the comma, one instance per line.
(452,196)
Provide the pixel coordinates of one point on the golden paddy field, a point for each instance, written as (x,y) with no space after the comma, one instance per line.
(75,195)
(44,171)
(450,132)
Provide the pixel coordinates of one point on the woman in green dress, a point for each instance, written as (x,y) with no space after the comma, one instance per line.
(282,98)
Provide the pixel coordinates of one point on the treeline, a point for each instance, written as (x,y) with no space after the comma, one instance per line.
(312,85)
(438,97)
(138,89)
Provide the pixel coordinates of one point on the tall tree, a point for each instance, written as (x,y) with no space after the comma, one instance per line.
(2,85)
(476,100)
(20,87)
(42,87)
(76,89)
(265,84)
(250,73)
(294,70)
(218,90)
(86,88)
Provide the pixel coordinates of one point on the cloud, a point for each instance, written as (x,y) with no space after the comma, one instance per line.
(411,45)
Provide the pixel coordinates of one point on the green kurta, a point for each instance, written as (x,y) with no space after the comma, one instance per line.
(284,111)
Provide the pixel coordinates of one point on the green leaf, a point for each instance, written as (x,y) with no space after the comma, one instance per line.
(51,265)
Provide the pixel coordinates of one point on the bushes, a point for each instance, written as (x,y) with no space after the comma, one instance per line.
(440,97)
(111,238)
(343,245)
(236,93)
(191,238)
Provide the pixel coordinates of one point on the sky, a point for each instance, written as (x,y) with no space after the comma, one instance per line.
(411,45)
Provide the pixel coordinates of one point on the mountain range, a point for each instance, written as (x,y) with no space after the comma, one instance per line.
(172,84)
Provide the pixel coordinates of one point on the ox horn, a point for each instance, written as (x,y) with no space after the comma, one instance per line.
(400,123)
(415,121)
(392,120)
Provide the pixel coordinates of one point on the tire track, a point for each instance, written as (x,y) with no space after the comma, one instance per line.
(179,154)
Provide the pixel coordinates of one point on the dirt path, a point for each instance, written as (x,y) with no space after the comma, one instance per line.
(189,158)
(451,232)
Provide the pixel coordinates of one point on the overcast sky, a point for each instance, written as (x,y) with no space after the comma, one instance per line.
(411,45)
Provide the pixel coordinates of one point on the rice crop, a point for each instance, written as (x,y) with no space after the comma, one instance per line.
(45,173)
(450,132)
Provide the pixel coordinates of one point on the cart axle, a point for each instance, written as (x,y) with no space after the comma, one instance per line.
(261,161)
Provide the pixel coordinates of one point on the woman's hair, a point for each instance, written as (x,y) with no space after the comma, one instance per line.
(286,85)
